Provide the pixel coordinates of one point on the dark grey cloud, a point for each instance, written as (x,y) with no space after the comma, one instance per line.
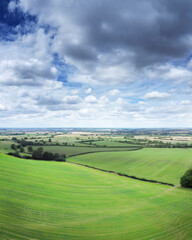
(80,52)
(33,71)
(54,103)
(21,82)
(154,31)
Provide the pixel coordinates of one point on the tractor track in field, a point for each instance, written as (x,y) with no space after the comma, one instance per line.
(125,175)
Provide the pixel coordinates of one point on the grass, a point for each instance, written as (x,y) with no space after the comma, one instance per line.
(50,200)
(110,143)
(70,151)
(5,146)
(166,165)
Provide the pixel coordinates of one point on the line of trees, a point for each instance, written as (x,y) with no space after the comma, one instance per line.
(40,154)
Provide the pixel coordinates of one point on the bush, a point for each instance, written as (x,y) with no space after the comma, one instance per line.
(26,157)
(56,155)
(13,146)
(48,156)
(15,154)
(186,179)
(38,153)
(60,159)
(30,149)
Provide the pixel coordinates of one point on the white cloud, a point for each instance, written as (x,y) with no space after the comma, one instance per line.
(91,99)
(141,103)
(103,100)
(12,5)
(84,111)
(89,90)
(75,91)
(155,95)
(72,99)
(120,101)
(27,61)
(178,74)
(186,102)
(114,92)
(81,78)
(2,107)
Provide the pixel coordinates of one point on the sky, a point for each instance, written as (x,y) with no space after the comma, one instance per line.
(96,63)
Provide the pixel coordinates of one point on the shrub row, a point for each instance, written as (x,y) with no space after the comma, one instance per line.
(128,176)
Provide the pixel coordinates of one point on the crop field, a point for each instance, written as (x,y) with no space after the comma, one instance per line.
(166,165)
(65,138)
(171,139)
(50,200)
(70,151)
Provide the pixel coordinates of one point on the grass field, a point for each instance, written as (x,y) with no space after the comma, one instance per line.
(5,146)
(50,200)
(110,143)
(166,165)
(70,151)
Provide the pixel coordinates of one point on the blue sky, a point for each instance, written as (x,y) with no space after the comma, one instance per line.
(101,63)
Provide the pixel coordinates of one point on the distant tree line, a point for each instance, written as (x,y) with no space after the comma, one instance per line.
(25,143)
(38,154)
(141,142)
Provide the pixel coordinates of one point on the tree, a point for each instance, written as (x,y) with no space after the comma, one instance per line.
(22,149)
(30,149)
(23,143)
(186,179)
(13,146)
(38,153)
(15,154)
(48,156)
(56,155)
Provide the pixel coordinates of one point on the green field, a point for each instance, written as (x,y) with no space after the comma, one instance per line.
(166,165)
(5,146)
(110,143)
(70,151)
(50,200)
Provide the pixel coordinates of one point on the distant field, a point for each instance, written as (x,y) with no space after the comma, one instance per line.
(27,135)
(171,139)
(70,151)
(50,200)
(65,138)
(110,143)
(166,165)
(5,146)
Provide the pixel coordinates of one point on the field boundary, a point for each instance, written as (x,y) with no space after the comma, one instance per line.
(124,175)
(112,150)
